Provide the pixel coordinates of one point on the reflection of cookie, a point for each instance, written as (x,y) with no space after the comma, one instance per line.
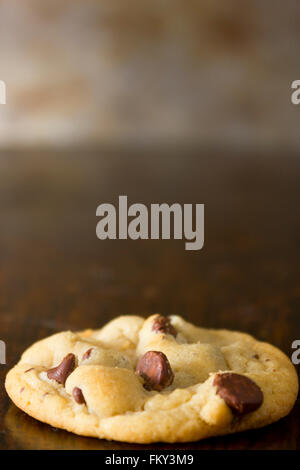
(153,380)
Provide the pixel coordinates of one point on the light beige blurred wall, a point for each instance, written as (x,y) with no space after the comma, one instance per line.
(114,71)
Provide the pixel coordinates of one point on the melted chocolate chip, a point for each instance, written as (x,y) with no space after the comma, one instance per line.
(156,371)
(163,324)
(78,396)
(87,354)
(240,393)
(63,370)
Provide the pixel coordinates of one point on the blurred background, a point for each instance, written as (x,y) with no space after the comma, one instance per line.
(149,72)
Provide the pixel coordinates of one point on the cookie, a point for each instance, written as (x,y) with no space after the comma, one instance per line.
(159,379)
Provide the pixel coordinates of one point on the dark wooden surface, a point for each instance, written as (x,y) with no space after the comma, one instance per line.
(55,274)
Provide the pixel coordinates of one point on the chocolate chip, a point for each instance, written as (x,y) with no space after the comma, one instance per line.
(240,393)
(63,370)
(163,324)
(87,354)
(156,371)
(78,395)
(255,356)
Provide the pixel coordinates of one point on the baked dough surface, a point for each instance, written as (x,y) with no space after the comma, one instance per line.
(117,405)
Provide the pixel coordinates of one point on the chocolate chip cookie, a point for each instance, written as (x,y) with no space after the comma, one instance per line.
(159,379)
